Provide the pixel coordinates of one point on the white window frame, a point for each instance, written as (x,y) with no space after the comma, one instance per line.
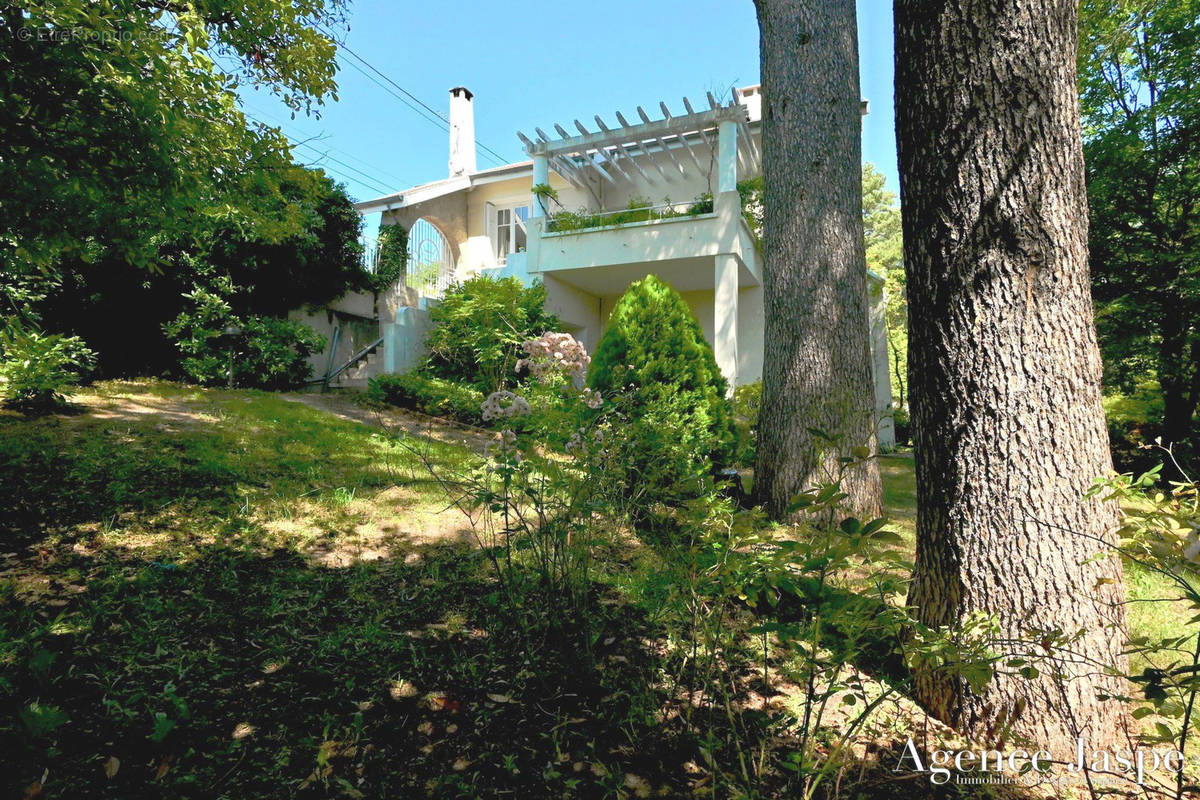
(516,222)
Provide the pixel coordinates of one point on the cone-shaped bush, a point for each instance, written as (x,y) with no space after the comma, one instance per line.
(654,357)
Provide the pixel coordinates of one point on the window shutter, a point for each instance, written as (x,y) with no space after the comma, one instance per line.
(489,212)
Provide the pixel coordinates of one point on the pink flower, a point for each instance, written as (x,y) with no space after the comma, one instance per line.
(503,404)
(557,352)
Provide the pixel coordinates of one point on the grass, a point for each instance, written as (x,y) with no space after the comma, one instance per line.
(1151,613)
(210,593)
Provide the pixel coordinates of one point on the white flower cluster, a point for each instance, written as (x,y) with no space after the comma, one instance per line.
(592,398)
(555,352)
(503,404)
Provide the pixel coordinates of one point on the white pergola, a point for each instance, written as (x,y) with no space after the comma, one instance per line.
(624,151)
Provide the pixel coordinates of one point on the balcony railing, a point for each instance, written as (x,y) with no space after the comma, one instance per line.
(566,221)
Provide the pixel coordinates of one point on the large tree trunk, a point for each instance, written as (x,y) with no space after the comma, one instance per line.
(1004,369)
(817,359)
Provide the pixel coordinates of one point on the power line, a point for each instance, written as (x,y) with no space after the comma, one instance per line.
(410,95)
(436,121)
(373,187)
(378,172)
(369,182)
(439,115)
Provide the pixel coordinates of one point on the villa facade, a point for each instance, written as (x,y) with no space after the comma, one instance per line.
(593,209)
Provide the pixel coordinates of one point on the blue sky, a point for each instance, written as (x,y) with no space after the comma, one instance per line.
(537,64)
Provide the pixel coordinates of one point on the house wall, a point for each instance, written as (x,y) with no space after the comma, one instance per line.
(449,214)
(582,313)
(587,316)
(354,312)
(477,250)
(462,218)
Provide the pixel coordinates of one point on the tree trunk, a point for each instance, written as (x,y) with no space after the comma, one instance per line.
(1004,369)
(817,358)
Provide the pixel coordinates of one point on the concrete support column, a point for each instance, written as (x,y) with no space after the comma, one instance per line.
(404,339)
(726,201)
(541,177)
(880,367)
(725,316)
(727,156)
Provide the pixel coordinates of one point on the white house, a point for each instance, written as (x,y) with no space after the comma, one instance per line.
(658,194)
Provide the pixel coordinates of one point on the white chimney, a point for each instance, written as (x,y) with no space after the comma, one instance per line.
(462,132)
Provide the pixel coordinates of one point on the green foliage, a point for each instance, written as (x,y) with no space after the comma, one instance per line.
(747,400)
(539,517)
(429,395)
(885,256)
(1134,423)
(392,258)
(1141,111)
(639,209)
(314,265)
(654,358)
(750,192)
(122,122)
(260,352)
(478,329)
(813,601)
(41,721)
(272,275)
(36,368)
(1161,535)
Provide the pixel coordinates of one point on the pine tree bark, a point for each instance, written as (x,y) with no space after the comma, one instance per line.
(817,359)
(1004,369)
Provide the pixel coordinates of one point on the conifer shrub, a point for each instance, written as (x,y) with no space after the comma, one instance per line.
(654,361)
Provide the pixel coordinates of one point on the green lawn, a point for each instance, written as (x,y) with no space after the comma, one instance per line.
(210,593)
(1148,615)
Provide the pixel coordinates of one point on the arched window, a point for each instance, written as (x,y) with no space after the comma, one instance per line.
(430,260)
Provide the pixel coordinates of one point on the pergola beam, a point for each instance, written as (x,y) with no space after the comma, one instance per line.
(608,159)
(619,152)
(663,145)
(621,149)
(655,129)
(682,137)
(641,146)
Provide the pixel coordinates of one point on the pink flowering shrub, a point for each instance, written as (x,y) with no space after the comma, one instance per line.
(554,367)
(504,405)
(535,506)
(555,353)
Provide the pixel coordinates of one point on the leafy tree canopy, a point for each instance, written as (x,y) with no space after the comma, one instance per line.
(122,130)
(268,276)
(885,256)
(1139,62)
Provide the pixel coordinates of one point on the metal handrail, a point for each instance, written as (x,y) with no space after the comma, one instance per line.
(333,346)
(354,359)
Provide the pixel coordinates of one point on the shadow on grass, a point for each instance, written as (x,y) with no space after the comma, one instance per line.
(260,675)
(243,674)
(188,608)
